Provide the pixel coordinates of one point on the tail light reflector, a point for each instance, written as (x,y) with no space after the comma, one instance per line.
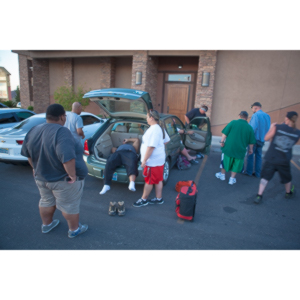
(86,148)
(19,142)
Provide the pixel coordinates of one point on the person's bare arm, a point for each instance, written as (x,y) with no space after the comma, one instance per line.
(271,132)
(80,132)
(148,153)
(187,119)
(136,143)
(250,151)
(30,162)
(223,138)
(70,169)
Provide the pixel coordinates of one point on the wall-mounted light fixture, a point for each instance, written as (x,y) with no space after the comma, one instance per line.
(179,66)
(205,78)
(138,78)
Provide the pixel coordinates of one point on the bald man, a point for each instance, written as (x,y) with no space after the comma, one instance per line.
(74,121)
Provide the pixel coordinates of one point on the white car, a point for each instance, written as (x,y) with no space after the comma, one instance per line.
(11,139)
(19,105)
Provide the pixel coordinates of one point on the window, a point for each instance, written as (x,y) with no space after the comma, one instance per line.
(7,118)
(177,123)
(171,130)
(180,77)
(24,115)
(88,120)
(29,123)
(198,124)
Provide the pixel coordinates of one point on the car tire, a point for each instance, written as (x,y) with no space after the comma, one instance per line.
(166,171)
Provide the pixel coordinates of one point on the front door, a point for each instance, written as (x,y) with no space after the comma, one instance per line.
(177,96)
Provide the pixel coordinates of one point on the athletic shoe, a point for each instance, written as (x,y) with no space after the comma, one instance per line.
(232,181)
(193,162)
(112,210)
(257,199)
(47,228)
(81,229)
(244,173)
(156,201)
(291,194)
(121,208)
(220,175)
(140,202)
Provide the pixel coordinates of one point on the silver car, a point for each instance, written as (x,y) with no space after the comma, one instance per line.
(11,139)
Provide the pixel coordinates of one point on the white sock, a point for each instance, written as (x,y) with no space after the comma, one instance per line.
(131,186)
(105,189)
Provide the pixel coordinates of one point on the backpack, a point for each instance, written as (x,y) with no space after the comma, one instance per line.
(185,203)
(180,184)
(182,163)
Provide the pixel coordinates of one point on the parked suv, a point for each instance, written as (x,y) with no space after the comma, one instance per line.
(9,117)
(128,110)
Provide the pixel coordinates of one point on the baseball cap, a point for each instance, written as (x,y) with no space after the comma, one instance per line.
(256,104)
(290,114)
(244,114)
(55,110)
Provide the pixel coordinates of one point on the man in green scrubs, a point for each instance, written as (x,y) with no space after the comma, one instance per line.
(236,137)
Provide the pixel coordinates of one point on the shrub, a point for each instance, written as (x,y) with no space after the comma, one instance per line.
(30,107)
(8,103)
(65,96)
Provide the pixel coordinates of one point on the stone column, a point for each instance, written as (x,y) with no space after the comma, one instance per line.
(41,90)
(204,94)
(24,81)
(141,62)
(107,70)
(68,72)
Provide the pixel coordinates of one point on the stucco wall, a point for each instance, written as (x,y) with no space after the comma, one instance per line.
(243,77)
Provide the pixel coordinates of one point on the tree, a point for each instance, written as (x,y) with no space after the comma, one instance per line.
(17,98)
(65,96)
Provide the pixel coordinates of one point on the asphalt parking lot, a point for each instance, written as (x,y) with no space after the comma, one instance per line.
(226,217)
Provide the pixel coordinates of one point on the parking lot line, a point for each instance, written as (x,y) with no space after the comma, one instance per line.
(295,164)
(197,178)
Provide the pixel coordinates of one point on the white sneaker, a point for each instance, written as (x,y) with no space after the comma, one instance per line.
(105,189)
(220,175)
(232,181)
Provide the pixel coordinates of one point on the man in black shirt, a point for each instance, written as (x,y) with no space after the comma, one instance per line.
(284,137)
(196,112)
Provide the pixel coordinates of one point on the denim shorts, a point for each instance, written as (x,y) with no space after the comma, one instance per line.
(65,196)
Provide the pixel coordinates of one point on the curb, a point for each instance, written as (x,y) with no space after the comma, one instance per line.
(215,146)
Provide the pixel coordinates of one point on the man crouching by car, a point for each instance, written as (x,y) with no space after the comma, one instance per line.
(58,168)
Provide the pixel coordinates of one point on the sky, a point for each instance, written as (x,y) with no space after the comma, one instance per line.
(10,62)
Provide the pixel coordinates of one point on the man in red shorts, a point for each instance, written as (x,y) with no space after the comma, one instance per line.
(153,159)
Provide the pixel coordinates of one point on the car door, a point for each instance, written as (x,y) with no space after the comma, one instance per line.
(173,147)
(200,137)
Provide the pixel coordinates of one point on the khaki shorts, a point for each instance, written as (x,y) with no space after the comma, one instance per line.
(65,196)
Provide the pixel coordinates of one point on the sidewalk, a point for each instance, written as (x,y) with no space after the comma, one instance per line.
(215,145)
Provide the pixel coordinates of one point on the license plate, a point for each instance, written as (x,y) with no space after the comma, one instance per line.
(4,150)
(115,176)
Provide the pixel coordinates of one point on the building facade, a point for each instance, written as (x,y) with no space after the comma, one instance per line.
(5,88)
(226,81)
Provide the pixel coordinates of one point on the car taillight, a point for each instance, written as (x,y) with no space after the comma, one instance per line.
(86,148)
(19,142)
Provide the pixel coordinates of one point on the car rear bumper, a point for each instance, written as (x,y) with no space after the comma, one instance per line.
(96,169)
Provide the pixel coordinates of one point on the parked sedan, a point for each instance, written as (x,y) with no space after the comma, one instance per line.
(11,139)
(10,117)
(2,105)
(128,111)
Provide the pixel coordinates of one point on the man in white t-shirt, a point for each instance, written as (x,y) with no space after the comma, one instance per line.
(74,121)
(153,159)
